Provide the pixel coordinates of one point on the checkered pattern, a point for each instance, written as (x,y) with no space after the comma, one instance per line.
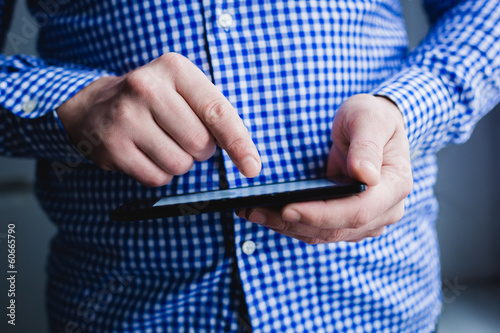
(286,66)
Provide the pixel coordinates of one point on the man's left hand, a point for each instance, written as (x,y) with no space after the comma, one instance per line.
(369,145)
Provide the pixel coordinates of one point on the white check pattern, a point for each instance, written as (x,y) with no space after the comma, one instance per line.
(286,66)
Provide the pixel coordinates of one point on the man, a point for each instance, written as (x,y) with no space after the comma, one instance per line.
(147,90)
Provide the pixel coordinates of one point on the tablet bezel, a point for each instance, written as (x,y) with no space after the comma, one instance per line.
(146,209)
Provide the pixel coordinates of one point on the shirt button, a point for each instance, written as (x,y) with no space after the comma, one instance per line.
(248,247)
(225,20)
(29,106)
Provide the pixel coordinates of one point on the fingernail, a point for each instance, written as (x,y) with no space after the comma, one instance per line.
(250,166)
(291,215)
(257,217)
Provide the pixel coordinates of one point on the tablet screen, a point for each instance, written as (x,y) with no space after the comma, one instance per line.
(244,192)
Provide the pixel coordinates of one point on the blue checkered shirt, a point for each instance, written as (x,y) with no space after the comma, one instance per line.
(286,66)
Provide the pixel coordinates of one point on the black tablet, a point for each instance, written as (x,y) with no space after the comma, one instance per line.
(277,194)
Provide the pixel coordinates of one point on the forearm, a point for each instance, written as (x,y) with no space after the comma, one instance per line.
(452,79)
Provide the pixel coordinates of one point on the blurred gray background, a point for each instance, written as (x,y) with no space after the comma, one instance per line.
(468,227)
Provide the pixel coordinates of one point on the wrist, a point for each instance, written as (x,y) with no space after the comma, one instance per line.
(392,108)
(71,112)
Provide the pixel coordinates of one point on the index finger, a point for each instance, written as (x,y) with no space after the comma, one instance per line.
(221,119)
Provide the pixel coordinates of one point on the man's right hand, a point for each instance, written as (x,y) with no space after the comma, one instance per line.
(159,119)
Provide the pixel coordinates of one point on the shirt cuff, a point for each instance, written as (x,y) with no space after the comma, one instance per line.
(40,137)
(427,106)
(31,89)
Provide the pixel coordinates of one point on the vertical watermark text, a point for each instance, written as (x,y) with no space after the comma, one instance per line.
(11,273)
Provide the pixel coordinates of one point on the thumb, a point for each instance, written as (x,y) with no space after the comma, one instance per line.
(361,130)
(358,154)
(368,133)
(364,158)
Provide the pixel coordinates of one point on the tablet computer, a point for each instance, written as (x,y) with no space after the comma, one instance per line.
(277,194)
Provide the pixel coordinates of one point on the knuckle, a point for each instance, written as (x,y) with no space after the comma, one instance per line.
(202,145)
(180,165)
(156,180)
(398,215)
(402,181)
(175,66)
(405,178)
(408,185)
(173,60)
(122,113)
(236,145)
(137,83)
(215,112)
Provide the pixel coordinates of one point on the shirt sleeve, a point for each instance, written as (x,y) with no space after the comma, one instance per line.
(452,78)
(30,91)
